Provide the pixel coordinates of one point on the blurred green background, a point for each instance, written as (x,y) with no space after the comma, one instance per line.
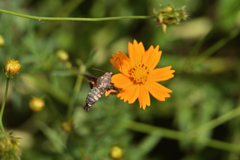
(204,51)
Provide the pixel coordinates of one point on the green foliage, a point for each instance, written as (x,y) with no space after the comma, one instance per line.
(201,114)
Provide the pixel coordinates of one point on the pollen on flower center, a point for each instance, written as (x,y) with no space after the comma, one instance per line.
(139,73)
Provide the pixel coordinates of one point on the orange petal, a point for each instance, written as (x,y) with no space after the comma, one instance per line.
(150,50)
(152,57)
(122,62)
(144,98)
(130,94)
(158,91)
(136,52)
(131,53)
(121,95)
(140,51)
(121,81)
(161,74)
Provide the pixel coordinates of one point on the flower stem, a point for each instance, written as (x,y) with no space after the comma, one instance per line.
(3,105)
(216,122)
(77,87)
(180,136)
(219,44)
(74,19)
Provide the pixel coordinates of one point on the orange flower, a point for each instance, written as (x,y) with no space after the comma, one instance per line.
(138,75)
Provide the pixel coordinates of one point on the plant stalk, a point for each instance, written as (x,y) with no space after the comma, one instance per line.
(3,106)
(73,18)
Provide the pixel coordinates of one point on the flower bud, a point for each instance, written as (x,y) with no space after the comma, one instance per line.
(36,104)
(67,125)
(9,147)
(62,55)
(11,68)
(68,65)
(170,15)
(2,42)
(167,9)
(116,153)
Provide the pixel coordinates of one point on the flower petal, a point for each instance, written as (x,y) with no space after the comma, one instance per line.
(130,94)
(136,52)
(121,81)
(161,74)
(158,91)
(122,64)
(144,98)
(152,57)
(140,52)
(131,53)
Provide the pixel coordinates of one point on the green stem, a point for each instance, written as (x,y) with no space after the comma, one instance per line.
(189,62)
(218,45)
(77,87)
(3,106)
(216,122)
(177,135)
(74,19)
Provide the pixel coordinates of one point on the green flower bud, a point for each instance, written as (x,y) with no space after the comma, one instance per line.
(169,15)
(9,147)
(68,65)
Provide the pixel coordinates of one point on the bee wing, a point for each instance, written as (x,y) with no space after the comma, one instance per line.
(112,90)
(91,79)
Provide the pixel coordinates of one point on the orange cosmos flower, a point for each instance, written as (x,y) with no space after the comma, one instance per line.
(139,76)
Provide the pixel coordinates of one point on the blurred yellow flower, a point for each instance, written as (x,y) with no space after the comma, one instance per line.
(36,104)
(138,77)
(67,125)
(2,42)
(116,153)
(62,55)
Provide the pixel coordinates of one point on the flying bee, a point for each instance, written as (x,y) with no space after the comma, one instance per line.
(100,86)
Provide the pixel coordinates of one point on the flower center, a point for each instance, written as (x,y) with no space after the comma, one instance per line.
(139,73)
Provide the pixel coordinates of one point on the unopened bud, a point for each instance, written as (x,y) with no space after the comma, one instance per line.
(68,65)
(167,9)
(62,55)
(116,153)
(2,42)
(170,15)
(67,125)
(9,147)
(11,68)
(36,104)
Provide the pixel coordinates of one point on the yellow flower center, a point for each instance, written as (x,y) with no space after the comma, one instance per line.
(139,73)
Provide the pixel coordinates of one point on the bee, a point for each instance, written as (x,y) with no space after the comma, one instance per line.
(100,86)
